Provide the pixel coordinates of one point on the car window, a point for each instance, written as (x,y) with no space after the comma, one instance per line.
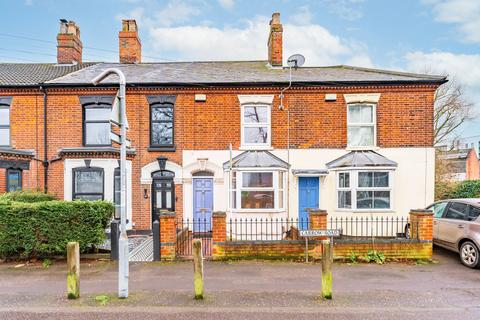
(457,211)
(473,213)
(438,209)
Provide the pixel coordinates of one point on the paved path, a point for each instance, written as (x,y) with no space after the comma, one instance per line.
(254,290)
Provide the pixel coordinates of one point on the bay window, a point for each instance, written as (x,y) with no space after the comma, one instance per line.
(256,125)
(257,190)
(88,184)
(364,190)
(14,180)
(344,193)
(361,129)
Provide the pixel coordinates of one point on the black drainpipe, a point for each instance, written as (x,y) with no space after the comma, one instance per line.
(45,142)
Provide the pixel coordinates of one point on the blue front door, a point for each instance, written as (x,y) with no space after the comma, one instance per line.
(202,204)
(307,198)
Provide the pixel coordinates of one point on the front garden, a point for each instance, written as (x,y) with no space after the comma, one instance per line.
(35,225)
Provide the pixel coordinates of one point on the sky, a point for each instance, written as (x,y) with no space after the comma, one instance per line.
(438,36)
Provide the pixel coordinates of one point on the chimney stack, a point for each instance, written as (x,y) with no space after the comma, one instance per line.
(69,46)
(130,47)
(275,41)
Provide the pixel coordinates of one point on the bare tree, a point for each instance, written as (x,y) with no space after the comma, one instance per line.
(452,109)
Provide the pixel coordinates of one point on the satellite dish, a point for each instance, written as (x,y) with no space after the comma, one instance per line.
(295,61)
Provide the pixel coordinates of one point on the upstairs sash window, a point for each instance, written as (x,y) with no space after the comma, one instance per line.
(162,121)
(256,125)
(5,122)
(361,125)
(97,112)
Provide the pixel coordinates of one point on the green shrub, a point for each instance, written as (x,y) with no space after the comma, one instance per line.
(375,256)
(444,190)
(43,229)
(27,196)
(467,189)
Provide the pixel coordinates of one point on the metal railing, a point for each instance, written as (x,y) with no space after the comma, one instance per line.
(378,227)
(264,229)
(189,229)
(276,229)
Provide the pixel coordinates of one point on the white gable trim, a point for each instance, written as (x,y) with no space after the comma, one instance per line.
(255,98)
(362,97)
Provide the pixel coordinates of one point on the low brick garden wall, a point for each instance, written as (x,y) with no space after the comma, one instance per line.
(419,246)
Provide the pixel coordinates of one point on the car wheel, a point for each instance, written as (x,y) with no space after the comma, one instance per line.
(407,231)
(469,254)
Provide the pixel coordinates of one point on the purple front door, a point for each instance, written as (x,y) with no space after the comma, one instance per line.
(202,204)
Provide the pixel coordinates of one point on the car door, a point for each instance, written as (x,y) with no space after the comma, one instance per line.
(438,208)
(452,224)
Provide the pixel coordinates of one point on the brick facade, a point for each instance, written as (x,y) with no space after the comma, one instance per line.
(404,119)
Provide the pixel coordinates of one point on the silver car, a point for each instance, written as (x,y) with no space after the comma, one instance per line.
(456,227)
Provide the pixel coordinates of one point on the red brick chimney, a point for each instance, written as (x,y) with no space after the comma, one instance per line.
(130,47)
(275,41)
(69,46)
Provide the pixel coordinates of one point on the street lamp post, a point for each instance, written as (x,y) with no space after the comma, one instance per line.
(123,241)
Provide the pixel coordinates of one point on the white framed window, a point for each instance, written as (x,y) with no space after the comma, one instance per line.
(344,193)
(361,125)
(256,125)
(258,190)
(4,125)
(364,190)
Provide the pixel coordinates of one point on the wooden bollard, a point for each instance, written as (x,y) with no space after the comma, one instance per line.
(327,260)
(73,267)
(198,269)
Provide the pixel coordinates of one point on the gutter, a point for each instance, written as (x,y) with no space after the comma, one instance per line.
(253,84)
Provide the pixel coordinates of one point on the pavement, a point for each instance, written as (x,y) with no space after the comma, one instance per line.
(247,289)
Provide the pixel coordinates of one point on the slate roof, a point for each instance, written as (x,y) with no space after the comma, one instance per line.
(357,159)
(256,159)
(233,72)
(31,74)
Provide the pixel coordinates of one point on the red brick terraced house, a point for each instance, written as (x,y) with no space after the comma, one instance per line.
(215,136)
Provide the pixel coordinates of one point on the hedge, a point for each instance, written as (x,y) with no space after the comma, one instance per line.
(456,190)
(43,229)
(27,196)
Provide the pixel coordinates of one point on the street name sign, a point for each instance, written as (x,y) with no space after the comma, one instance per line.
(321,233)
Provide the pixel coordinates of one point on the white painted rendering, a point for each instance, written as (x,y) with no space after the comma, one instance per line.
(108,166)
(412,181)
(255,98)
(147,170)
(361,97)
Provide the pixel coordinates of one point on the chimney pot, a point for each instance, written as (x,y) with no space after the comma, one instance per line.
(69,46)
(275,41)
(130,47)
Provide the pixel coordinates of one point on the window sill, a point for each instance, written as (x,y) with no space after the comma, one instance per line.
(366,210)
(257,210)
(162,149)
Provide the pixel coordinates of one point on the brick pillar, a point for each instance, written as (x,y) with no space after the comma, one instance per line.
(168,235)
(219,233)
(421,224)
(318,219)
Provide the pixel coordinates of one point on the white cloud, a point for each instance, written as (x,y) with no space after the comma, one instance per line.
(302,17)
(319,46)
(463,13)
(461,67)
(174,12)
(345,9)
(227,4)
